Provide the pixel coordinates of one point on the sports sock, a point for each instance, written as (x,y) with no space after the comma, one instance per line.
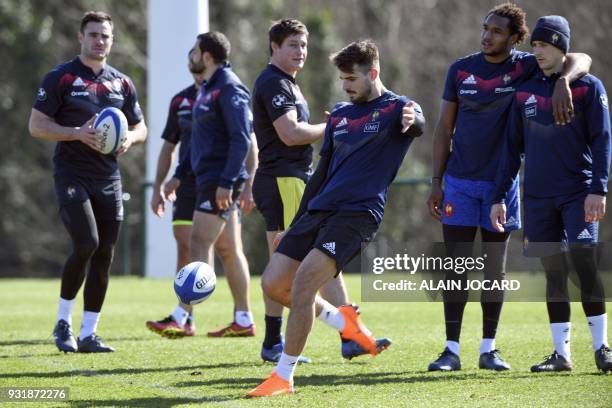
(243,317)
(273,331)
(331,316)
(89,324)
(561,338)
(487,345)
(453,346)
(190,319)
(599,330)
(64,310)
(180,315)
(286,366)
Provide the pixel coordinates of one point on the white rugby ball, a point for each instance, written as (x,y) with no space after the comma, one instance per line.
(112,126)
(194,283)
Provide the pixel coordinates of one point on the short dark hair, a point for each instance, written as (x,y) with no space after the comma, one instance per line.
(517,17)
(281,29)
(363,53)
(95,16)
(216,44)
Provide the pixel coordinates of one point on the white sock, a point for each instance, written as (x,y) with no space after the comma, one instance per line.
(89,324)
(561,338)
(286,366)
(599,330)
(453,346)
(180,315)
(487,345)
(243,318)
(64,310)
(331,316)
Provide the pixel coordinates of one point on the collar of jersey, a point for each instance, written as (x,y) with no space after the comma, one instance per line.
(88,70)
(280,71)
(226,66)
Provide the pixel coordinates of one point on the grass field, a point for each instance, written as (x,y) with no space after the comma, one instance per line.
(150,371)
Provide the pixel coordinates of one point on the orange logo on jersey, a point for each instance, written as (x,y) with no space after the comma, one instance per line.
(449,210)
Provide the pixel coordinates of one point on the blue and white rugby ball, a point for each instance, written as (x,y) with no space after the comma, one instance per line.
(194,283)
(112,126)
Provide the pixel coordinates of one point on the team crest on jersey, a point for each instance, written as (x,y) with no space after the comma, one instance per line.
(113,86)
(449,210)
(555,38)
(41,95)
(70,191)
(603,99)
(279,100)
(375,115)
(507,78)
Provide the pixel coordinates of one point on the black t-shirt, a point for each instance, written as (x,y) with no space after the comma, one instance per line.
(275,93)
(71,94)
(178,128)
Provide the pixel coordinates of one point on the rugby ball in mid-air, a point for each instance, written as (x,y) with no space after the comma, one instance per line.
(194,283)
(112,126)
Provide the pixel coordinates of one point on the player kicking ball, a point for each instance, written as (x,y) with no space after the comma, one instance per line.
(566,181)
(364,144)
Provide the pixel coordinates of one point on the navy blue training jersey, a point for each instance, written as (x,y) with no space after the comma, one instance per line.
(559,160)
(220,138)
(275,93)
(71,94)
(366,148)
(178,129)
(483,92)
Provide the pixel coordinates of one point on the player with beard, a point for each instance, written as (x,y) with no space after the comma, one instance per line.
(181,190)
(364,145)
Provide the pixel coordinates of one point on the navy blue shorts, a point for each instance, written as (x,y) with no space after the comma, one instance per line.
(339,235)
(468,203)
(105,195)
(184,206)
(206,201)
(551,222)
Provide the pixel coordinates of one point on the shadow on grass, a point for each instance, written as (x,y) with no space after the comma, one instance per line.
(26,342)
(118,371)
(148,402)
(29,355)
(49,341)
(366,379)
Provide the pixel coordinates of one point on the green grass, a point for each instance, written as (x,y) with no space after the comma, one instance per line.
(150,371)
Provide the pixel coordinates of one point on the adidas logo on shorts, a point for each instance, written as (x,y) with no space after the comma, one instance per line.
(331,247)
(206,205)
(585,234)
